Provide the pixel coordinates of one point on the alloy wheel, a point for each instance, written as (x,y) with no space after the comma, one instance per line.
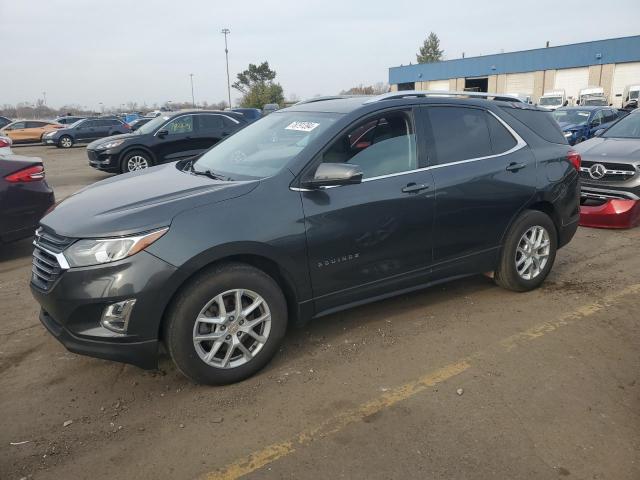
(66,142)
(232,328)
(532,253)
(137,162)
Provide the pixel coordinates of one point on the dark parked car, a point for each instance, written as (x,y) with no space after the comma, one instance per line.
(85,131)
(611,175)
(167,138)
(290,219)
(138,122)
(251,114)
(24,196)
(68,119)
(4,121)
(581,123)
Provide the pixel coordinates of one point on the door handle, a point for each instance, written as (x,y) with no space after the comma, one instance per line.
(414,188)
(514,167)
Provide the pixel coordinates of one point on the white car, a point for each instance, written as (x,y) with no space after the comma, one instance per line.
(5,146)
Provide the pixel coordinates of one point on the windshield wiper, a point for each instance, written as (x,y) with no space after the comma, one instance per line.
(210,174)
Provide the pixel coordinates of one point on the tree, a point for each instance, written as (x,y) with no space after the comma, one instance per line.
(376,89)
(258,87)
(430,50)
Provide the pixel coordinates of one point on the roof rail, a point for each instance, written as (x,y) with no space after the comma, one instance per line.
(443,93)
(328,97)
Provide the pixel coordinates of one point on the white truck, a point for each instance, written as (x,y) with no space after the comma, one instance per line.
(592,96)
(553,99)
(631,96)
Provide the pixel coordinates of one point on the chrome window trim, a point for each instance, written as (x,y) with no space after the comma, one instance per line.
(520,143)
(60,258)
(219,115)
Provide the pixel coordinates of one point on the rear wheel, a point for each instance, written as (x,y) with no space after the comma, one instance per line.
(226,324)
(528,252)
(65,141)
(135,160)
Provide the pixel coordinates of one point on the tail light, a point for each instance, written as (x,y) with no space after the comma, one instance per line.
(574,159)
(5,142)
(29,174)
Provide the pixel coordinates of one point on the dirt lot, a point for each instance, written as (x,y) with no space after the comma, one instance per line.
(463,381)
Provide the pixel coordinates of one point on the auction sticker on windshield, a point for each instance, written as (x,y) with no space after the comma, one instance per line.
(302,126)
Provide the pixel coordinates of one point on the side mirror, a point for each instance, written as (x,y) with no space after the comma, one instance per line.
(162,133)
(599,132)
(333,175)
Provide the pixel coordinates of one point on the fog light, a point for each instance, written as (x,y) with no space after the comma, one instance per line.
(115,317)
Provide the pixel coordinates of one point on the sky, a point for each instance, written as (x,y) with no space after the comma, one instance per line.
(89,52)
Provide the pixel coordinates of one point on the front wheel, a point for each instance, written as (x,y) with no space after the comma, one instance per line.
(65,141)
(135,160)
(528,252)
(226,324)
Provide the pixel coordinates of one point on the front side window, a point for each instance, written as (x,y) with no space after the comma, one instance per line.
(598,118)
(380,146)
(183,124)
(459,133)
(17,125)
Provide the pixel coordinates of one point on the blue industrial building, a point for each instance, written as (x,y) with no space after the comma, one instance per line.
(611,64)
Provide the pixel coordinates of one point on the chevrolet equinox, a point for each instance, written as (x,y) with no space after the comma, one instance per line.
(313,209)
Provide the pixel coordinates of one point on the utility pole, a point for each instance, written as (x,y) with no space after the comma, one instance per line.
(225,32)
(193,101)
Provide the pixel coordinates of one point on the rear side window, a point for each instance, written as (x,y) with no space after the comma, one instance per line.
(459,133)
(36,124)
(542,123)
(501,139)
(210,122)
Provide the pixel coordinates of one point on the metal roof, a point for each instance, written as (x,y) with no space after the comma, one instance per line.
(613,50)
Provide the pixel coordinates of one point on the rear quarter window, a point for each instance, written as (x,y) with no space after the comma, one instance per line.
(541,123)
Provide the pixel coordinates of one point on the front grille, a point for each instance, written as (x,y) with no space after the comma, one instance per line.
(45,268)
(616,172)
(92,155)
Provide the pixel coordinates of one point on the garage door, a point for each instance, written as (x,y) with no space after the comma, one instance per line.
(439,85)
(572,80)
(624,74)
(519,83)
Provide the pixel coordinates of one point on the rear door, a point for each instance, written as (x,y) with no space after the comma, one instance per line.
(35,130)
(210,131)
(484,175)
(374,237)
(86,131)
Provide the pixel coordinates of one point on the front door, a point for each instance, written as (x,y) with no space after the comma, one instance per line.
(177,143)
(371,238)
(484,175)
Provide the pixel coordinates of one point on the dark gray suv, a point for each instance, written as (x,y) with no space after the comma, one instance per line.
(311,210)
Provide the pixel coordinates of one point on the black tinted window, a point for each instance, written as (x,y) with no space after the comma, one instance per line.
(113,123)
(459,133)
(35,124)
(542,123)
(501,139)
(89,124)
(210,122)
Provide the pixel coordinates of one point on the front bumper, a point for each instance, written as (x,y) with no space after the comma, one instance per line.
(105,160)
(72,308)
(613,213)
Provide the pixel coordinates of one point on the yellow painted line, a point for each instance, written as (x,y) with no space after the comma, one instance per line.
(271,453)
(334,424)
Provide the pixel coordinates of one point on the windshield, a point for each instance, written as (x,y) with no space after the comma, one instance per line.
(627,127)
(634,94)
(579,117)
(151,125)
(550,100)
(263,148)
(595,101)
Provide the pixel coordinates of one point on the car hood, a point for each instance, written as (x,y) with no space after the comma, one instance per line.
(602,149)
(125,136)
(137,202)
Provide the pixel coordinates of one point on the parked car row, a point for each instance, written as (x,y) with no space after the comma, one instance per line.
(85,131)
(581,123)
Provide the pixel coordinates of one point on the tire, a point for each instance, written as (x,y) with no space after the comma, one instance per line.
(201,298)
(541,234)
(65,141)
(135,160)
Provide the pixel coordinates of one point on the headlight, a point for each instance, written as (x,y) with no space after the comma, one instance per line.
(568,134)
(111,144)
(50,134)
(95,251)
